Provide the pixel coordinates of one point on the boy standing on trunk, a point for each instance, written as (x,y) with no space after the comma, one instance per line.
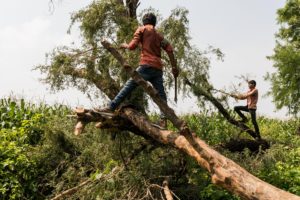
(150,66)
(252,98)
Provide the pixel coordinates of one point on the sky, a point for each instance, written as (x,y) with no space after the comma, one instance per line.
(243,30)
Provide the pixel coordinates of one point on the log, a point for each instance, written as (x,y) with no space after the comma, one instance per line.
(224,172)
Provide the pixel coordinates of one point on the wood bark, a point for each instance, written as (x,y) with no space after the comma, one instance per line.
(167,191)
(224,172)
(132,6)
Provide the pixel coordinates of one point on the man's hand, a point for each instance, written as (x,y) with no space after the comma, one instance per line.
(175,72)
(124,46)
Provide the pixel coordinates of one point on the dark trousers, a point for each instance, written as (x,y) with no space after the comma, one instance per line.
(252,112)
(153,75)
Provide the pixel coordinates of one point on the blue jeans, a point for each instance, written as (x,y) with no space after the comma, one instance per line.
(153,75)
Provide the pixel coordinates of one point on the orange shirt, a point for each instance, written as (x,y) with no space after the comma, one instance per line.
(252,98)
(151,42)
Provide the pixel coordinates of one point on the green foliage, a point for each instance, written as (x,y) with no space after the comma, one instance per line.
(63,160)
(13,114)
(98,156)
(193,62)
(280,164)
(22,119)
(286,80)
(21,130)
(18,129)
(92,70)
(289,18)
(214,193)
(57,160)
(209,125)
(285,173)
(17,171)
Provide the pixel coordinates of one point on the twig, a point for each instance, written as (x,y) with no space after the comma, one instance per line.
(72,190)
(90,180)
(167,190)
(158,186)
(222,91)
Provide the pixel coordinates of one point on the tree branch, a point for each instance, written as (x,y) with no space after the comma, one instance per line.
(118,169)
(167,191)
(132,6)
(198,91)
(163,106)
(71,190)
(103,82)
(224,171)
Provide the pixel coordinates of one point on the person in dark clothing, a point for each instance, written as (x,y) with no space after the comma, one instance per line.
(252,98)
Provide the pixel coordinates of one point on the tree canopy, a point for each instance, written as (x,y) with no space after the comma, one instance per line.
(285,80)
(93,71)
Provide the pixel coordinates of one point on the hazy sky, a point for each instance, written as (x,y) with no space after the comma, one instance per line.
(243,30)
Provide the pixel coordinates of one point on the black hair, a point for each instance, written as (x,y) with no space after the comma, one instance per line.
(149,18)
(253,82)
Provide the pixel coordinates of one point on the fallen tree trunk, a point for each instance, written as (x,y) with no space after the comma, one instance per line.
(163,106)
(224,172)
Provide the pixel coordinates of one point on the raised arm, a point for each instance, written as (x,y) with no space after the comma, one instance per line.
(244,96)
(135,41)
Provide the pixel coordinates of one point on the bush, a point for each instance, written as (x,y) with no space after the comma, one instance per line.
(17,171)
(21,129)
(38,152)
